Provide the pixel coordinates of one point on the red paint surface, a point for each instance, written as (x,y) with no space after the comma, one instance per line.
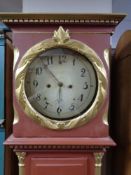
(98,38)
(59,164)
(27,133)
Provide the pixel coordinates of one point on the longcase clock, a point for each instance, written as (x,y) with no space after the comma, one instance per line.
(61,91)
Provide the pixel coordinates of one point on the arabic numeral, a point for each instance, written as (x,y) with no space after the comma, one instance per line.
(72,107)
(35,83)
(81,97)
(49,60)
(85,86)
(62,59)
(38,98)
(45,103)
(83,72)
(59,110)
(38,70)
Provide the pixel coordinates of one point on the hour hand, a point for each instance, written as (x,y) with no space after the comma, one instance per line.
(60,95)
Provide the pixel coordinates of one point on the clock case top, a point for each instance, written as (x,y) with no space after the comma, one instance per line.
(92,29)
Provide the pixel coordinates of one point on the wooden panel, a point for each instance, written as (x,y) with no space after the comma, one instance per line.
(59,164)
(8,87)
(10,158)
(2,60)
(2,116)
(122,124)
(121,106)
(2,138)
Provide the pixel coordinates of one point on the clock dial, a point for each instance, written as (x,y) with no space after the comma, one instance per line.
(60,83)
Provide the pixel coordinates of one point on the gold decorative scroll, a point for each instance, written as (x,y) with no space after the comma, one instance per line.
(98,162)
(16,56)
(105,115)
(61,38)
(21,163)
(107,57)
(16,117)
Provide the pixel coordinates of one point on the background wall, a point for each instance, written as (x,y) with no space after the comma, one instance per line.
(11,5)
(68,6)
(121,6)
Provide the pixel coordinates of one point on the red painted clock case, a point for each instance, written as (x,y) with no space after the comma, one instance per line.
(97,38)
(93,30)
(69,148)
(26,127)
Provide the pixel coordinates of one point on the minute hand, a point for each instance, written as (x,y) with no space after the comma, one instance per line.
(51,74)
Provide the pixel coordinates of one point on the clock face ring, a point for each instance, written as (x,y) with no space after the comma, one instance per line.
(61,84)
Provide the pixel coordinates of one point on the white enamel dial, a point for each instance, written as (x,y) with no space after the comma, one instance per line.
(60,84)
